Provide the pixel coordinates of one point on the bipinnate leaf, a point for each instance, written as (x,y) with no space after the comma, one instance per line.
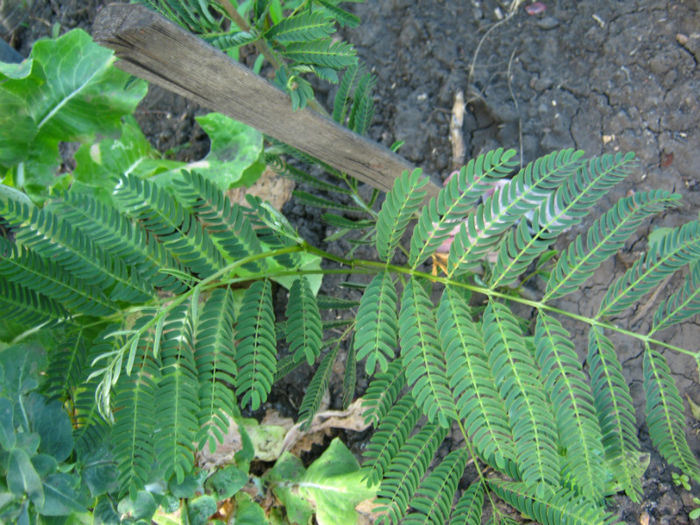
(426,368)
(615,412)
(433,501)
(478,402)
(377,322)
(216,367)
(304,330)
(398,208)
(572,401)
(469,506)
(256,353)
(549,506)
(440,216)
(520,386)
(665,414)
(178,396)
(406,470)
(605,237)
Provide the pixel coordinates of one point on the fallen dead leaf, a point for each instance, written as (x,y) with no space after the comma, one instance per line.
(270,187)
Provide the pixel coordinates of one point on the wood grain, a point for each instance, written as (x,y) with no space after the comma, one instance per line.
(153,48)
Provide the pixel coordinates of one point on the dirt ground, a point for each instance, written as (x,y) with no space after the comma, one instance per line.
(599,75)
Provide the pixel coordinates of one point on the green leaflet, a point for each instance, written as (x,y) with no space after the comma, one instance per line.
(665,414)
(548,506)
(478,402)
(562,210)
(615,411)
(400,204)
(519,384)
(426,369)
(383,391)
(674,250)
(389,437)
(304,331)
(178,396)
(531,187)
(433,501)
(406,470)
(455,200)
(572,402)
(70,92)
(605,237)
(377,338)
(682,305)
(215,354)
(303,27)
(317,388)
(256,353)
(470,505)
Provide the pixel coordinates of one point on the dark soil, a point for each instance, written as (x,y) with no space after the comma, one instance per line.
(601,75)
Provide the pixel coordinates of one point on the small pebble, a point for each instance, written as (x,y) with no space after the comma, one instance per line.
(548,22)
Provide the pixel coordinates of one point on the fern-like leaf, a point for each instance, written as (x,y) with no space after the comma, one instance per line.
(389,437)
(433,501)
(665,415)
(519,384)
(135,422)
(478,402)
(400,204)
(116,234)
(256,353)
(53,238)
(178,396)
(27,306)
(317,388)
(572,401)
(303,27)
(532,186)
(549,507)
(469,506)
(343,17)
(216,367)
(682,305)
(383,392)
(615,411)
(377,319)
(362,109)
(341,101)
(561,211)
(304,331)
(406,471)
(224,221)
(426,369)
(455,200)
(324,53)
(605,237)
(674,250)
(177,228)
(46,277)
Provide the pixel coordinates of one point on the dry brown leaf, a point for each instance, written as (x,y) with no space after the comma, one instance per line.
(270,187)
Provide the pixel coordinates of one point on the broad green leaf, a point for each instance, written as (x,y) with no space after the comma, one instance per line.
(142,507)
(71,93)
(22,478)
(227,481)
(248,512)
(200,509)
(97,165)
(44,464)
(52,424)
(99,470)
(334,483)
(234,149)
(287,470)
(62,495)
(21,365)
(7,427)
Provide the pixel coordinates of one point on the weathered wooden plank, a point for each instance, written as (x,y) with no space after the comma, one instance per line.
(153,48)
